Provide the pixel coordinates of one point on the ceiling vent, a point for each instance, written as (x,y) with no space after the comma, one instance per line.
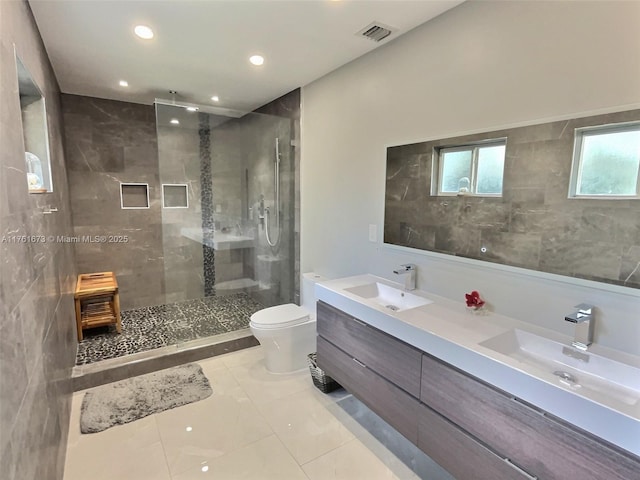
(376,31)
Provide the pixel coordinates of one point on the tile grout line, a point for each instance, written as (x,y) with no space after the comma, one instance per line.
(274,433)
(164,451)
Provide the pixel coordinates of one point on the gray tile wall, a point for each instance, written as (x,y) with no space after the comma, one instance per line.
(108,142)
(241,157)
(179,158)
(288,107)
(273,265)
(228,208)
(534,225)
(37,319)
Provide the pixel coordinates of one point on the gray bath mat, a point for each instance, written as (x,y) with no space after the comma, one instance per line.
(123,402)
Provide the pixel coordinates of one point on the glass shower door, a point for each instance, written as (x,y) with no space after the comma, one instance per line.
(228,183)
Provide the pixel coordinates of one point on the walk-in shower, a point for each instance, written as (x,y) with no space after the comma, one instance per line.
(225,193)
(236,235)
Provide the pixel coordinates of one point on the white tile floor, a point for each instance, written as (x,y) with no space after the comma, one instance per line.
(254,426)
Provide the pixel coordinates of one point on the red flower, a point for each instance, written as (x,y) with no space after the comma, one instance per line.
(473,299)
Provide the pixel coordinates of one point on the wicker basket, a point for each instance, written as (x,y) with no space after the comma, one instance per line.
(321,380)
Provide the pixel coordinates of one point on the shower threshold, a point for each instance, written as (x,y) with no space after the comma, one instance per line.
(111,370)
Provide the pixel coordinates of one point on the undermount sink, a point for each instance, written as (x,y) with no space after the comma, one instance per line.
(593,375)
(394,299)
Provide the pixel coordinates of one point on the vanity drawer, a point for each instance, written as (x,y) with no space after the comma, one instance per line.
(391,358)
(384,398)
(460,454)
(541,445)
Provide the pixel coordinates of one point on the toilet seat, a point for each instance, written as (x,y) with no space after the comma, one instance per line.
(279,316)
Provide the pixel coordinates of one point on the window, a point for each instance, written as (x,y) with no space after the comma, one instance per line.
(475,169)
(606,162)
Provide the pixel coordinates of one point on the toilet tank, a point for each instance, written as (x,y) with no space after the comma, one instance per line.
(309,281)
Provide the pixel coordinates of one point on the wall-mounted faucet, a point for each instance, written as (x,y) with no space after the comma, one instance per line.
(584,319)
(409,272)
(261,210)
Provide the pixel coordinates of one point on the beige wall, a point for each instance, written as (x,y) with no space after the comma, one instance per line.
(37,325)
(481,66)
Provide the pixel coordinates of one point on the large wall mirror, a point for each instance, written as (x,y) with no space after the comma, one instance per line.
(559,197)
(35,132)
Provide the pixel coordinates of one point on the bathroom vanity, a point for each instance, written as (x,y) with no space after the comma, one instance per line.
(426,372)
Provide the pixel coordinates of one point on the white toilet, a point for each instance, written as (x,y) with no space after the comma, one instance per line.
(288,332)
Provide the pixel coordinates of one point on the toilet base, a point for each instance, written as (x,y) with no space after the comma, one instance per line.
(286,349)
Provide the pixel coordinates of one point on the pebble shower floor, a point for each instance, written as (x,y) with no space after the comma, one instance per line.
(148,328)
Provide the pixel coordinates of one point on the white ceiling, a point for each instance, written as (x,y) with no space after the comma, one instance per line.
(201,48)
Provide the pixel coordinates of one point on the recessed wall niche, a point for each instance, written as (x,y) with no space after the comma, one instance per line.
(175,195)
(34,131)
(134,195)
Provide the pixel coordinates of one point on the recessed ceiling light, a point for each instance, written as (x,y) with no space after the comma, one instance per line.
(256,59)
(143,32)
(124,83)
(175,121)
(192,109)
(215,98)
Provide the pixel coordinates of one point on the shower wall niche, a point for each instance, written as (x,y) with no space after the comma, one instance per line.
(217,244)
(35,132)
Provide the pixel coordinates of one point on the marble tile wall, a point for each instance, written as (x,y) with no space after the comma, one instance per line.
(273,265)
(111,142)
(237,165)
(243,156)
(288,107)
(534,225)
(179,159)
(37,276)
(108,142)
(227,177)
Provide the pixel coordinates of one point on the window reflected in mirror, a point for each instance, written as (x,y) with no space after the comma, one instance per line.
(606,162)
(546,198)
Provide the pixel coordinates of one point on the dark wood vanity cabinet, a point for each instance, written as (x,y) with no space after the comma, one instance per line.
(544,446)
(383,372)
(387,356)
(393,404)
(470,428)
(459,453)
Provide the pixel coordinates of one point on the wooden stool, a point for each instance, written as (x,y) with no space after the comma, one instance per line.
(97,301)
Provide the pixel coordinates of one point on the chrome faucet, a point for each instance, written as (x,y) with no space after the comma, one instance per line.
(409,271)
(584,319)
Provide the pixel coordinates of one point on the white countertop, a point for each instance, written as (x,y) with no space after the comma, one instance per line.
(448,331)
